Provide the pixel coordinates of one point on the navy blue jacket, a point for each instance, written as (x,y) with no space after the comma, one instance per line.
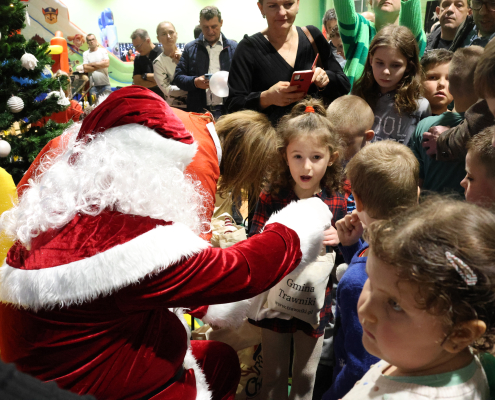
(352,360)
(195,62)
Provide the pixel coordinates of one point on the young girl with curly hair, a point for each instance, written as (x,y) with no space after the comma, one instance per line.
(308,165)
(428,306)
(391,84)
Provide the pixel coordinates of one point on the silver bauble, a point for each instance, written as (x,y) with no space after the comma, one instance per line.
(15,104)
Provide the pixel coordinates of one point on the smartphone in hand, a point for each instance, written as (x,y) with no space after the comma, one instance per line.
(303,78)
(208,76)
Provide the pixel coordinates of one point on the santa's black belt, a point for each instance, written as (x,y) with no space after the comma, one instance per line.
(174,379)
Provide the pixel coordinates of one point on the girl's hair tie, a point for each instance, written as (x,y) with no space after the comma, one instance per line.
(309,109)
(462,269)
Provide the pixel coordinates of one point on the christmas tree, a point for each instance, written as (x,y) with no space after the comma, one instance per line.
(20,86)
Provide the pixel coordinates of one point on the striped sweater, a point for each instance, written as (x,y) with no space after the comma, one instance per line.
(357,33)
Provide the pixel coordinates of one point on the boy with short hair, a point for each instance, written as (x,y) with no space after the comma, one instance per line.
(352,118)
(444,176)
(384,179)
(451,144)
(484,76)
(435,79)
(479,183)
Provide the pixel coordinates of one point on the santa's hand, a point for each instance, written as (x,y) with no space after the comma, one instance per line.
(349,229)
(331,237)
(308,218)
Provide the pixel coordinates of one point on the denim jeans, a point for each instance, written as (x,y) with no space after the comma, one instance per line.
(97,91)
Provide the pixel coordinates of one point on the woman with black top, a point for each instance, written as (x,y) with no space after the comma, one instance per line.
(263,64)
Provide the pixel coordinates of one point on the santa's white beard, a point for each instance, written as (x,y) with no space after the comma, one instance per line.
(130,169)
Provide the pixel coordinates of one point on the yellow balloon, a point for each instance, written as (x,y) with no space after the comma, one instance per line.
(55,49)
(8,194)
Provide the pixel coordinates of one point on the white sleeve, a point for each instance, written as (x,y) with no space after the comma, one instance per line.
(161,76)
(85,58)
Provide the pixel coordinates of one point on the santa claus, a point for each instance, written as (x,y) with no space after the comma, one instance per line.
(107,254)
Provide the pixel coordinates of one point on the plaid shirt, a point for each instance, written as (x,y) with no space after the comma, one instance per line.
(267,204)
(351,204)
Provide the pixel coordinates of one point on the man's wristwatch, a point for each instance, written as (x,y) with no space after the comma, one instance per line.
(144,76)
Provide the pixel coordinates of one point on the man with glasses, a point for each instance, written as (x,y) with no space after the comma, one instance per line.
(96,62)
(143,64)
(479,28)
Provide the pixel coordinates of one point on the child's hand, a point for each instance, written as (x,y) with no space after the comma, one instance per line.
(330,237)
(349,229)
(430,139)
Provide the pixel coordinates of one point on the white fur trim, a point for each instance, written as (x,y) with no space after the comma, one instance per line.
(308,218)
(179,313)
(146,137)
(229,315)
(202,388)
(102,274)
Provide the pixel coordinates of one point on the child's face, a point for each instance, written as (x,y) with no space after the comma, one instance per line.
(389,66)
(479,188)
(436,88)
(308,161)
(353,145)
(337,42)
(394,329)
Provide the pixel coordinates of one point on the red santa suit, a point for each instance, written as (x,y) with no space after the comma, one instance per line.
(94,305)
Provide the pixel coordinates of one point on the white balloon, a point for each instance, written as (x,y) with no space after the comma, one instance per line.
(15,104)
(4,148)
(29,61)
(218,83)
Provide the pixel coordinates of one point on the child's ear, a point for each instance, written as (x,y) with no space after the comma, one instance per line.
(334,157)
(357,202)
(463,335)
(369,135)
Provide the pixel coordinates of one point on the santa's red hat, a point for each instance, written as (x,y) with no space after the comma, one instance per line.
(138,105)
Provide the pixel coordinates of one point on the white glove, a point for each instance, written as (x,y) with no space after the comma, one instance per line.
(308,218)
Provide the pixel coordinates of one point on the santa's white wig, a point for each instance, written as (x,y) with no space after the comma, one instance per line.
(130,168)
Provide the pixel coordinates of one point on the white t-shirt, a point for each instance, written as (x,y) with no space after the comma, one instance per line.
(164,70)
(100,76)
(374,385)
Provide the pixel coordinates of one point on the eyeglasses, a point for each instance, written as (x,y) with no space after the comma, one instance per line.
(477,4)
(139,46)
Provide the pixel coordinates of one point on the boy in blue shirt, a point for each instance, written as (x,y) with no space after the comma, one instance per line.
(384,178)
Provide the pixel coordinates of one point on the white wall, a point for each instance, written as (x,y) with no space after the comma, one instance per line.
(240,16)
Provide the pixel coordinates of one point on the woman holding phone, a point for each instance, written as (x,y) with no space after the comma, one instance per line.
(263,64)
